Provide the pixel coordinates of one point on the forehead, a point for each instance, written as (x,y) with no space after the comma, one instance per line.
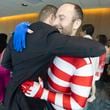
(66,10)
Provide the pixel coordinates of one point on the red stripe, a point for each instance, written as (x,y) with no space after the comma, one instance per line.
(66,102)
(60,74)
(77,62)
(58,87)
(79,99)
(68,59)
(39,93)
(82,80)
(51,97)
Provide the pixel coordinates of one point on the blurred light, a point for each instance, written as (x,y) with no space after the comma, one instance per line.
(21,16)
(97,11)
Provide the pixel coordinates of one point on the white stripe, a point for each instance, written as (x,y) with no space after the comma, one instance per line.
(80,90)
(64,66)
(56,80)
(95,64)
(85,71)
(87,60)
(45,94)
(75,105)
(59,99)
(100,70)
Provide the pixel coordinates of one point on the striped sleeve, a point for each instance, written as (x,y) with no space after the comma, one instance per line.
(80,86)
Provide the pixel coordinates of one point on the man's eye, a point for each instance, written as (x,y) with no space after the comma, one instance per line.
(61,19)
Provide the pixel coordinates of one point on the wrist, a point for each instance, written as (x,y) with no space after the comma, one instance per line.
(45,94)
(39,93)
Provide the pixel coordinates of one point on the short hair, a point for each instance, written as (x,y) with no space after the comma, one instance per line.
(46,11)
(88,29)
(3,41)
(79,11)
(102,38)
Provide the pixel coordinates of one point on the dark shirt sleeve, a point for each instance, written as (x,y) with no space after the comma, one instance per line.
(74,46)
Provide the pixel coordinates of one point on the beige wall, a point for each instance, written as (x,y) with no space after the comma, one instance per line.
(7,24)
(98,17)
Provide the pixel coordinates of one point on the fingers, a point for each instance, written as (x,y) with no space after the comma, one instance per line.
(31,88)
(91,99)
(28,95)
(40,82)
(20,36)
(30,31)
(26,86)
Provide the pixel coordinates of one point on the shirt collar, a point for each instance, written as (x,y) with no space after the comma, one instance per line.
(87,36)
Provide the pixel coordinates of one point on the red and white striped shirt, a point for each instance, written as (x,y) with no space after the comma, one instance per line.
(71,79)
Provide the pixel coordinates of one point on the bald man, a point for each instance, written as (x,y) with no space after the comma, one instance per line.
(69,78)
(42,46)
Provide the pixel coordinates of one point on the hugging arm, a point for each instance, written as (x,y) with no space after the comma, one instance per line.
(79,91)
(74,46)
(60,44)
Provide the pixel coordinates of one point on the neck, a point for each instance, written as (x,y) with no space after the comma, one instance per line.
(73,33)
(47,22)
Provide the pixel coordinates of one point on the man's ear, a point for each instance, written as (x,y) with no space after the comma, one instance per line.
(52,18)
(77,23)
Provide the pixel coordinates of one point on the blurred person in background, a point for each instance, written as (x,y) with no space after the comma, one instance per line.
(4,73)
(102,38)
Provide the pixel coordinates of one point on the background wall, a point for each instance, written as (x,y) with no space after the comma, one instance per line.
(98,17)
(7,24)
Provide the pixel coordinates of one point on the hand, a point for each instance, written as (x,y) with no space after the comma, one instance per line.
(91,98)
(32,88)
(19,36)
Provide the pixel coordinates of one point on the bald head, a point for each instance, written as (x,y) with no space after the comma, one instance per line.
(73,9)
(68,18)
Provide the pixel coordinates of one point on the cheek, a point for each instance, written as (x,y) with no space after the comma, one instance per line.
(68,29)
(68,22)
(65,23)
(67,26)
(64,26)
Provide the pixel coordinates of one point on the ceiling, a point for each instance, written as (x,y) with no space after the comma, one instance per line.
(14,7)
